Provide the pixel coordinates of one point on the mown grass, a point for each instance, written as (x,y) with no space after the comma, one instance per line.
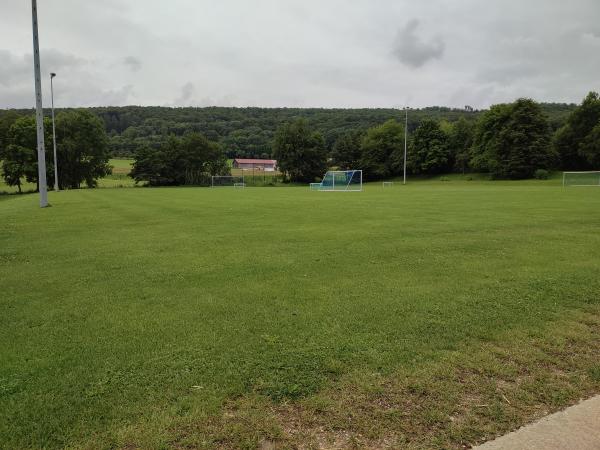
(432,315)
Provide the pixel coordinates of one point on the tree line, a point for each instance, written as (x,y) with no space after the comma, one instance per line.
(174,146)
(249,132)
(508,141)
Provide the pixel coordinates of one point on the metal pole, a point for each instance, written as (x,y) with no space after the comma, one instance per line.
(52,75)
(405,140)
(39,113)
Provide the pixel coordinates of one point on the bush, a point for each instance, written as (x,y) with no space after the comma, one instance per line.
(541,174)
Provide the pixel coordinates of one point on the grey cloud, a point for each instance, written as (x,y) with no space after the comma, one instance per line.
(187,92)
(55,60)
(133,63)
(75,85)
(510,73)
(413,50)
(16,69)
(117,97)
(302,52)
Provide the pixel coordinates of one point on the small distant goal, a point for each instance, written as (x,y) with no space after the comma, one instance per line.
(388,184)
(227,181)
(580,179)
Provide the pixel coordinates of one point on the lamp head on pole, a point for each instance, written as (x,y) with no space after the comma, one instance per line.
(52,75)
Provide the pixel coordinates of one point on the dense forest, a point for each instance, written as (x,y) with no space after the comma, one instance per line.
(249,132)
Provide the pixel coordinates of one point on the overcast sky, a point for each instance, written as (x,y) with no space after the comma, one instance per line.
(302,53)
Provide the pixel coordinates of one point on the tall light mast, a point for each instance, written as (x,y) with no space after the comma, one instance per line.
(52,75)
(405,139)
(39,113)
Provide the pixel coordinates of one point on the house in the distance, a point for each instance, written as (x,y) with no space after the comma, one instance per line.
(268,165)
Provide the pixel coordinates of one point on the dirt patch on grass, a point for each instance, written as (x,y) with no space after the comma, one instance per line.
(468,398)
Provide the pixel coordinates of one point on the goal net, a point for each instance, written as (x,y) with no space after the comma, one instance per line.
(340,181)
(591,178)
(227,181)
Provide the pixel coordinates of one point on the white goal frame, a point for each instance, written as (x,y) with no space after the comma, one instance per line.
(340,186)
(234,181)
(388,184)
(588,172)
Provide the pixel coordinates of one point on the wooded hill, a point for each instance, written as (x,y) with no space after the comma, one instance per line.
(249,132)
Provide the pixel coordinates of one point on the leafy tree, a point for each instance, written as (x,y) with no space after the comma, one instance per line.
(429,149)
(82,149)
(20,155)
(15,165)
(513,140)
(590,147)
(486,137)
(299,151)
(346,151)
(460,141)
(191,159)
(151,165)
(576,142)
(382,150)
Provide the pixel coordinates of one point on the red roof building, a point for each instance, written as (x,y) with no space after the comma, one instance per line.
(268,165)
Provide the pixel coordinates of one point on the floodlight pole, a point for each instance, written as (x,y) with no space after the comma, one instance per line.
(52,75)
(405,140)
(39,113)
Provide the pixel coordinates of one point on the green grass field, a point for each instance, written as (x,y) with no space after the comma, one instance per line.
(434,315)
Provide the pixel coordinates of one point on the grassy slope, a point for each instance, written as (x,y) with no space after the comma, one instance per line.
(140,316)
(121,165)
(120,175)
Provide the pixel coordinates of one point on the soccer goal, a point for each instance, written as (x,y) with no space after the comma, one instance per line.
(387,184)
(340,181)
(227,181)
(591,178)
